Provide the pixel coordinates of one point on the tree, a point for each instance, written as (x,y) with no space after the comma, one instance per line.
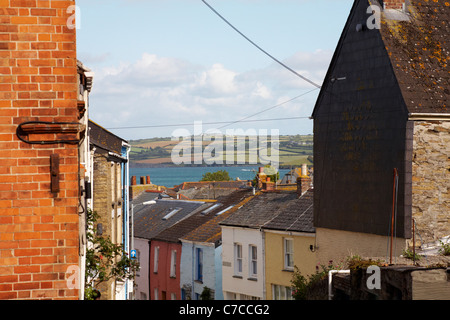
(105,260)
(221,175)
(206,294)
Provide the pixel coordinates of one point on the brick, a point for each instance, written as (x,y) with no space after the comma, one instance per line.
(44,260)
(26,286)
(8,295)
(43,12)
(27,252)
(43,243)
(24,20)
(23,3)
(26,235)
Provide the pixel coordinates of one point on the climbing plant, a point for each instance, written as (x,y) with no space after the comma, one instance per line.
(105,260)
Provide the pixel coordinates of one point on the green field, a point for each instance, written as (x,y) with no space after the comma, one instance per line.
(293,150)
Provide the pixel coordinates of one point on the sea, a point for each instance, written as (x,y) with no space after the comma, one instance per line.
(172,176)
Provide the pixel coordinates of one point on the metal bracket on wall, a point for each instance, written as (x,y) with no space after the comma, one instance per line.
(63,132)
(54,173)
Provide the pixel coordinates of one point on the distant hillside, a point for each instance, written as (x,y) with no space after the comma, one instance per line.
(294,150)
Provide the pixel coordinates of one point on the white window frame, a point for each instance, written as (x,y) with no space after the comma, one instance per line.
(199,265)
(156,260)
(173,264)
(280,292)
(238,259)
(288,253)
(253,261)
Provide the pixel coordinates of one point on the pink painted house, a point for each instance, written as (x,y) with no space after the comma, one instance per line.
(164,270)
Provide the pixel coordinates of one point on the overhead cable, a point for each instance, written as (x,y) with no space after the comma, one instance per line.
(265,52)
(205,123)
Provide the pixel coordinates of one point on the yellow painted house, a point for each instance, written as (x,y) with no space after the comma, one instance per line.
(289,243)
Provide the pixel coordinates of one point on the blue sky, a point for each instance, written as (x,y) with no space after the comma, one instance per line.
(173,62)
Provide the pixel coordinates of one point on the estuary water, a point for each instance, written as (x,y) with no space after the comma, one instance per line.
(171,176)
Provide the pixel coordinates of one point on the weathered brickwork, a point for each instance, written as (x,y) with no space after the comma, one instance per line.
(431,179)
(108,205)
(38,82)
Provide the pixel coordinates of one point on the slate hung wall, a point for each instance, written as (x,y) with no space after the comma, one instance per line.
(361,133)
(38,209)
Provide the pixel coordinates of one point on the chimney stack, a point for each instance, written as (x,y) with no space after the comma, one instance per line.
(304,181)
(394,4)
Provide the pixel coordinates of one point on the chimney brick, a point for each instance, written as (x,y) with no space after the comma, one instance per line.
(394,4)
(303,184)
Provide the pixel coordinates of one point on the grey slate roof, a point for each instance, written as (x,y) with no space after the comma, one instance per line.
(148,220)
(199,218)
(211,231)
(296,216)
(279,210)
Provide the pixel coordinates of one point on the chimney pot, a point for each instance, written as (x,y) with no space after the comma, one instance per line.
(304,169)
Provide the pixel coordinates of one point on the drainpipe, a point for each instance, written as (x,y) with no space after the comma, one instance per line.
(330,280)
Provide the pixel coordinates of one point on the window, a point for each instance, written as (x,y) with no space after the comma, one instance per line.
(199,265)
(155,293)
(173,264)
(171,213)
(237,259)
(173,296)
(288,254)
(224,210)
(281,292)
(143,296)
(211,208)
(252,253)
(155,260)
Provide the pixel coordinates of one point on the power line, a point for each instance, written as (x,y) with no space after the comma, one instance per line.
(205,123)
(265,52)
(228,123)
(275,106)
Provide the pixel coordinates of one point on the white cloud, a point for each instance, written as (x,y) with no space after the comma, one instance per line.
(158,90)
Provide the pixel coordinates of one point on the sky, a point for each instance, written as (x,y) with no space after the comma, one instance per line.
(163,65)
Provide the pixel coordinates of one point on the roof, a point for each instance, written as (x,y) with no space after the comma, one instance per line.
(210,231)
(149,219)
(104,139)
(417,44)
(281,210)
(207,213)
(420,54)
(296,216)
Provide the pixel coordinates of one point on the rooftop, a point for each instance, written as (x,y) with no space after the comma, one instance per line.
(277,210)
(160,214)
(196,227)
(419,50)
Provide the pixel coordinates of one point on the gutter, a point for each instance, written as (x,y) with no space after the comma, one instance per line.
(429,116)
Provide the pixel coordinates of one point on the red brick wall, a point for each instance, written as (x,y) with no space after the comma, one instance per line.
(38,81)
